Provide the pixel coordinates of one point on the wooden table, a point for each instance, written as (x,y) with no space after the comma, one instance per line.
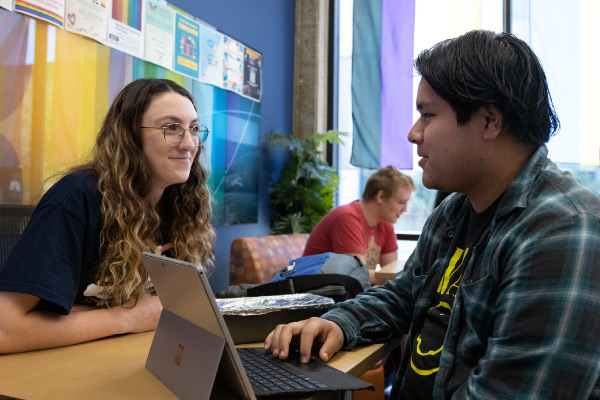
(390,270)
(114,368)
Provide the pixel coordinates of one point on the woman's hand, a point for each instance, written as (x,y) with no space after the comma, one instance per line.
(24,328)
(144,315)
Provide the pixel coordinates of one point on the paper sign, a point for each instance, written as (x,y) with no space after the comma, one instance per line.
(233,64)
(211,51)
(187,46)
(125,27)
(252,74)
(52,11)
(159,31)
(88,18)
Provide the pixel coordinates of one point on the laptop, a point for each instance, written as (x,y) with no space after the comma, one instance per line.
(192,348)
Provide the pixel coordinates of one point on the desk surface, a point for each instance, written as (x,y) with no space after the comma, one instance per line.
(390,270)
(114,368)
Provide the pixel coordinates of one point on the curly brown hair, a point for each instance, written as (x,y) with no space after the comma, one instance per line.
(129,221)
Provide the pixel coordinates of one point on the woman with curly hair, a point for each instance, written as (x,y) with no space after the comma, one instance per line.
(76,273)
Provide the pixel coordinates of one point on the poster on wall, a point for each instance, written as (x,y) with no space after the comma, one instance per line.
(159,25)
(187,46)
(252,74)
(155,31)
(8,4)
(52,11)
(125,27)
(233,65)
(211,53)
(87,18)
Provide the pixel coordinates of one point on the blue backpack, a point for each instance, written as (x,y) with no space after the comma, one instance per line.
(338,276)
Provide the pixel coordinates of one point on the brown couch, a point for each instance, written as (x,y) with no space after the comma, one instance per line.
(256,259)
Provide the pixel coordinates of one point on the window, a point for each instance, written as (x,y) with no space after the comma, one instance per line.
(450,18)
(570,66)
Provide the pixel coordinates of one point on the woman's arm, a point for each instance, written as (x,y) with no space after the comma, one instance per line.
(24,328)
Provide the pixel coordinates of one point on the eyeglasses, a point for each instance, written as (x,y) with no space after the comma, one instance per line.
(174,133)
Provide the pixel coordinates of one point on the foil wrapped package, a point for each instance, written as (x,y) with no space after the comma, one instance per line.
(266,304)
(251,319)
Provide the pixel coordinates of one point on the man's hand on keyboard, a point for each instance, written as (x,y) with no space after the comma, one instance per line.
(314,333)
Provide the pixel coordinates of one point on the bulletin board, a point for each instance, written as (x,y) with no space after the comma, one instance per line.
(55,89)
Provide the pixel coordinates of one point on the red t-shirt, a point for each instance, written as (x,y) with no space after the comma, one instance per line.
(345,230)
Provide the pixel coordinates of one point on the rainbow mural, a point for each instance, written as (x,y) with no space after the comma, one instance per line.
(53,99)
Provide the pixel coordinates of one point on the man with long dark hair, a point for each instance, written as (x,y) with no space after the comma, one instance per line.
(501,297)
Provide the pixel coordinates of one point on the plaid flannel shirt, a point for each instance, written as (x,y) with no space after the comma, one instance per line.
(526,317)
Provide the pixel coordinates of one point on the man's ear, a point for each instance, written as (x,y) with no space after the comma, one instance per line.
(493,122)
(380,196)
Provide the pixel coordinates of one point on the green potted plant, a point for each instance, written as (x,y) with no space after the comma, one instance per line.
(305,191)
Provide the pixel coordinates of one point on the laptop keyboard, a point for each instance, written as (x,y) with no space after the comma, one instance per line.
(266,373)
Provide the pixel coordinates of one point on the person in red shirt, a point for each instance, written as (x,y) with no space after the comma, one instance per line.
(364,228)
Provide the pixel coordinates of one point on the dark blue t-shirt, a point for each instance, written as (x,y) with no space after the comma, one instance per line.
(57,255)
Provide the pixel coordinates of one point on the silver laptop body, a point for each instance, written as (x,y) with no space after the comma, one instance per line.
(190,343)
(192,348)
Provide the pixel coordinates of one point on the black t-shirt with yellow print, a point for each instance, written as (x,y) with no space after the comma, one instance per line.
(428,343)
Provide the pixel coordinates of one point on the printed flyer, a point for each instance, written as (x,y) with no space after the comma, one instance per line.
(52,11)
(211,65)
(159,34)
(233,64)
(8,4)
(88,18)
(125,27)
(252,74)
(187,46)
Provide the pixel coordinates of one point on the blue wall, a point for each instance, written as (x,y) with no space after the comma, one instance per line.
(266,26)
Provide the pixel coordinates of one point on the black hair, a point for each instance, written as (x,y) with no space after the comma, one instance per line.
(482,67)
